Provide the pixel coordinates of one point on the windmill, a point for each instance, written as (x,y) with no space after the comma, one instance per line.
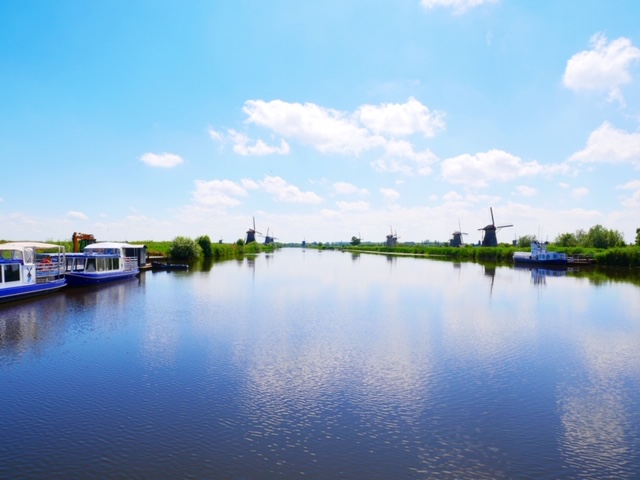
(392,239)
(251,233)
(489,238)
(268,239)
(456,241)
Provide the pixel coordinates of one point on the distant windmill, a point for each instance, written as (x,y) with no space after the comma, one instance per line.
(251,233)
(456,241)
(392,239)
(268,239)
(489,238)
(304,243)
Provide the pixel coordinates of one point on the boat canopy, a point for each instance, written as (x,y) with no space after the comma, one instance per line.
(100,245)
(21,245)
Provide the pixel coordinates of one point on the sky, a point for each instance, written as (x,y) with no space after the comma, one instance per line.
(147,120)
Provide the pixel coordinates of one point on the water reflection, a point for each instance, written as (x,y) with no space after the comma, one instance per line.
(326,366)
(28,327)
(539,275)
(599,420)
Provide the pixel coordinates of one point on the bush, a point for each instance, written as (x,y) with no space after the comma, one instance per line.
(205,244)
(184,248)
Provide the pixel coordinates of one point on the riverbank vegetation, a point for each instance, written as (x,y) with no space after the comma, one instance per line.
(185,248)
(619,257)
(606,247)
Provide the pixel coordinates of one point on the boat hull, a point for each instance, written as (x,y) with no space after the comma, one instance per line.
(168,266)
(19,292)
(533,261)
(82,279)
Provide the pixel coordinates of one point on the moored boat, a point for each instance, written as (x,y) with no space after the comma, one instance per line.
(540,256)
(168,266)
(103,262)
(30,268)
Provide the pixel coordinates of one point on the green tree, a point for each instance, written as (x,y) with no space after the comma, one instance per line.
(638,236)
(566,240)
(600,237)
(184,248)
(615,238)
(525,240)
(205,244)
(355,241)
(581,238)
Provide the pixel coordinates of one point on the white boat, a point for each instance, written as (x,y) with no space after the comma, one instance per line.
(540,256)
(30,268)
(103,262)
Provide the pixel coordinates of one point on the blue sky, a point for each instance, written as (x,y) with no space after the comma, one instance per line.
(145,120)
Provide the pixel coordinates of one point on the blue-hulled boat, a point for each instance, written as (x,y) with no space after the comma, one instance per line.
(539,256)
(103,262)
(30,268)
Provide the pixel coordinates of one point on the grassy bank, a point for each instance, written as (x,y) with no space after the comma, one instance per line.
(218,250)
(614,257)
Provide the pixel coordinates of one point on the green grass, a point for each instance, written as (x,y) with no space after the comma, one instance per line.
(618,257)
(218,250)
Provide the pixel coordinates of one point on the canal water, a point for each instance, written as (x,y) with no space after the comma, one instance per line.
(325,365)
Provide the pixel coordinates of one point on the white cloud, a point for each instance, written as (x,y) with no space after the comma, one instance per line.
(241,146)
(580,192)
(401,156)
(344,188)
(604,68)
(452,196)
(563,185)
(607,144)
(218,193)
(162,160)
(249,184)
(632,185)
(525,191)
(479,169)
(634,200)
(217,136)
(285,192)
(360,206)
(391,165)
(77,215)
(329,214)
(458,6)
(390,194)
(329,131)
(369,127)
(404,119)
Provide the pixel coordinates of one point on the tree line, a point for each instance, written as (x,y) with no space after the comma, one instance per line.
(596,237)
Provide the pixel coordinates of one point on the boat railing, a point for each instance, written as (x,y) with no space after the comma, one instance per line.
(49,269)
(130,263)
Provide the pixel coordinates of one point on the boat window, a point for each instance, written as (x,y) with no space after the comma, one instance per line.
(116,264)
(91,265)
(29,255)
(11,273)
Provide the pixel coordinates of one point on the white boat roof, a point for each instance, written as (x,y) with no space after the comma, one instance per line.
(21,245)
(111,245)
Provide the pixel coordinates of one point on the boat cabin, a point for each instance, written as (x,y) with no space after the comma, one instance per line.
(106,257)
(28,268)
